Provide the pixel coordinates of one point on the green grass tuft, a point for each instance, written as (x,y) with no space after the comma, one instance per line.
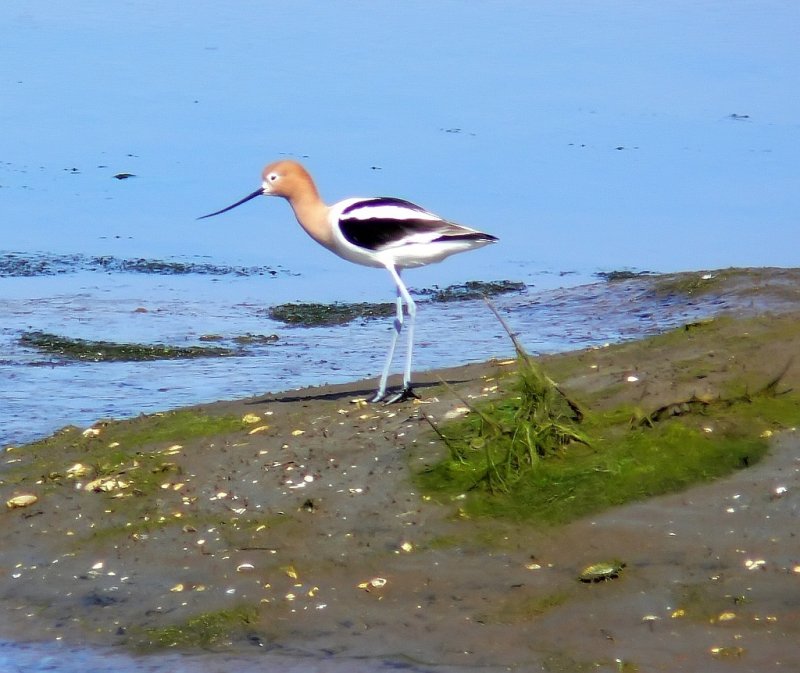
(536,455)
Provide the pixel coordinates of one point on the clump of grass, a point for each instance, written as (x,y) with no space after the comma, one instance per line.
(623,464)
(514,436)
(537,455)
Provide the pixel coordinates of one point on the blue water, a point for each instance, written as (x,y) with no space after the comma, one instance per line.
(588,136)
(506,118)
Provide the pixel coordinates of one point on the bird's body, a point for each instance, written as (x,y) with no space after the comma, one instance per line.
(380,232)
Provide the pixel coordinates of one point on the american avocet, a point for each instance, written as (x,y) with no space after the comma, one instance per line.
(381,232)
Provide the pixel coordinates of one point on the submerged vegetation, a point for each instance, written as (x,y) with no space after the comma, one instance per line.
(97,351)
(325,315)
(622,274)
(13,264)
(310,314)
(536,454)
(472,289)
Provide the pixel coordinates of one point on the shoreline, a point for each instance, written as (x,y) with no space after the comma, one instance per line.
(548,321)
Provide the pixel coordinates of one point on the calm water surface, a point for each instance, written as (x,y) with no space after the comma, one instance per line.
(588,136)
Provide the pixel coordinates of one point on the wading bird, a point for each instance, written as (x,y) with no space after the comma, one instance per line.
(381,231)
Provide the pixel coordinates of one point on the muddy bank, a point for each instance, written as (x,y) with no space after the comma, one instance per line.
(291,524)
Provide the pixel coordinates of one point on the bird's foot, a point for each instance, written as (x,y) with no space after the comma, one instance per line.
(406,393)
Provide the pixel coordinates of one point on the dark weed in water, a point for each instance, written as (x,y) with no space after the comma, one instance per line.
(326,315)
(13,264)
(473,289)
(624,274)
(107,351)
(255,339)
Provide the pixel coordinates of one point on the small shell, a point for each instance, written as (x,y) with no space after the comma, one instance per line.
(599,572)
(726,652)
(79,470)
(250,418)
(456,413)
(374,583)
(106,484)
(21,500)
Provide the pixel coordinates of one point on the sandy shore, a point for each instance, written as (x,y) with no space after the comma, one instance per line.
(314,523)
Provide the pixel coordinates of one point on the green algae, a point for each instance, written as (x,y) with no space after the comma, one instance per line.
(703,602)
(135,450)
(516,610)
(142,520)
(623,464)
(108,351)
(604,456)
(691,284)
(210,630)
(732,279)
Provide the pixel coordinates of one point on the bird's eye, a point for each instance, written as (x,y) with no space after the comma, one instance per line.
(272,177)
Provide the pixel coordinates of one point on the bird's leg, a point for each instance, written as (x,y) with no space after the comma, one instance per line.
(403,295)
(412,319)
(398,326)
